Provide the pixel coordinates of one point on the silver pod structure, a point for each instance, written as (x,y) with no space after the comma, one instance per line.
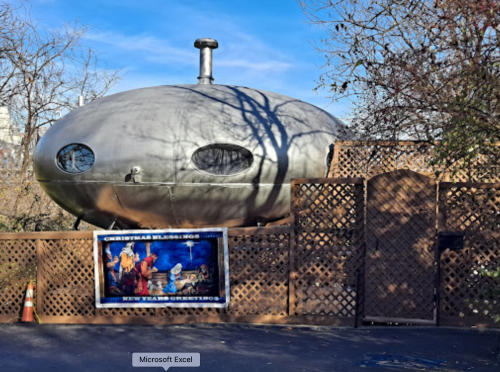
(185,155)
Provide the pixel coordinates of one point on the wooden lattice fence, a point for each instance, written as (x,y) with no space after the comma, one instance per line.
(18,266)
(327,245)
(468,295)
(65,291)
(354,250)
(371,158)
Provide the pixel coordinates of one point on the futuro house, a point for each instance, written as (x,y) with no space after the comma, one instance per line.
(185,155)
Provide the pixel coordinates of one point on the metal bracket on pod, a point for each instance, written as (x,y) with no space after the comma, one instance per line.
(136,174)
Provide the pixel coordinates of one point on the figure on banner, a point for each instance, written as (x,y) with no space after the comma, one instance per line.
(127,259)
(174,279)
(189,284)
(203,274)
(155,286)
(143,272)
(110,267)
(205,280)
(127,275)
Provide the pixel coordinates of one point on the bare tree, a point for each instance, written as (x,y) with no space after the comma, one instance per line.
(425,70)
(42,73)
(51,70)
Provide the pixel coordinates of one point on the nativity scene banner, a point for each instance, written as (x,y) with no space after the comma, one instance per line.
(162,268)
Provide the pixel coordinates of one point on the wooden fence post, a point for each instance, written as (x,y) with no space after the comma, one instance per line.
(39,277)
(291,254)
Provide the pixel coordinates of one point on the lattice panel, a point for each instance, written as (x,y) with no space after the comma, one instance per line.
(259,274)
(465,292)
(329,206)
(67,271)
(326,268)
(368,159)
(259,266)
(17,268)
(328,235)
(400,255)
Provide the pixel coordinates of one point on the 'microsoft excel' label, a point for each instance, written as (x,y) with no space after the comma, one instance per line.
(166,360)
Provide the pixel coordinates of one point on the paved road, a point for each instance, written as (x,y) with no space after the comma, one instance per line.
(228,347)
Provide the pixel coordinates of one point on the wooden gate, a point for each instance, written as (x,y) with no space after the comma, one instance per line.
(400,248)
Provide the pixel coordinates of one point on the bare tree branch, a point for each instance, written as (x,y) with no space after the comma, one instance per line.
(42,72)
(426,70)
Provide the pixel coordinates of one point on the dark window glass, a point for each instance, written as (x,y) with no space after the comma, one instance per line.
(222,159)
(75,158)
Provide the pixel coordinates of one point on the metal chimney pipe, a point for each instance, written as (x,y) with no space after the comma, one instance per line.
(81,101)
(205,45)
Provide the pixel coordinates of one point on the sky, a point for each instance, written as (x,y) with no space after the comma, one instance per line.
(265,45)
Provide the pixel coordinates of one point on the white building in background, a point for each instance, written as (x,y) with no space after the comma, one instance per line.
(9,133)
(10,137)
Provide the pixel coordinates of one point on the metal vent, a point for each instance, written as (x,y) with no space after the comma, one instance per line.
(205,45)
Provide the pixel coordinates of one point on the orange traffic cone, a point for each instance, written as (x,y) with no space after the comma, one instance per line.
(28,304)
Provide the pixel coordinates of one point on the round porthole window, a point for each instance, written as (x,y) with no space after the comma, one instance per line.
(75,158)
(222,159)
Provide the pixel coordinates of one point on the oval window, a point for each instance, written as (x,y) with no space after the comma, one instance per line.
(222,159)
(75,158)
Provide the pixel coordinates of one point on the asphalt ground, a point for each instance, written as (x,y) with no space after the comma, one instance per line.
(237,347)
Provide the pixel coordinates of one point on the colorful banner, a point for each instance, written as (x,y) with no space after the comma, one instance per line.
(162,268)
